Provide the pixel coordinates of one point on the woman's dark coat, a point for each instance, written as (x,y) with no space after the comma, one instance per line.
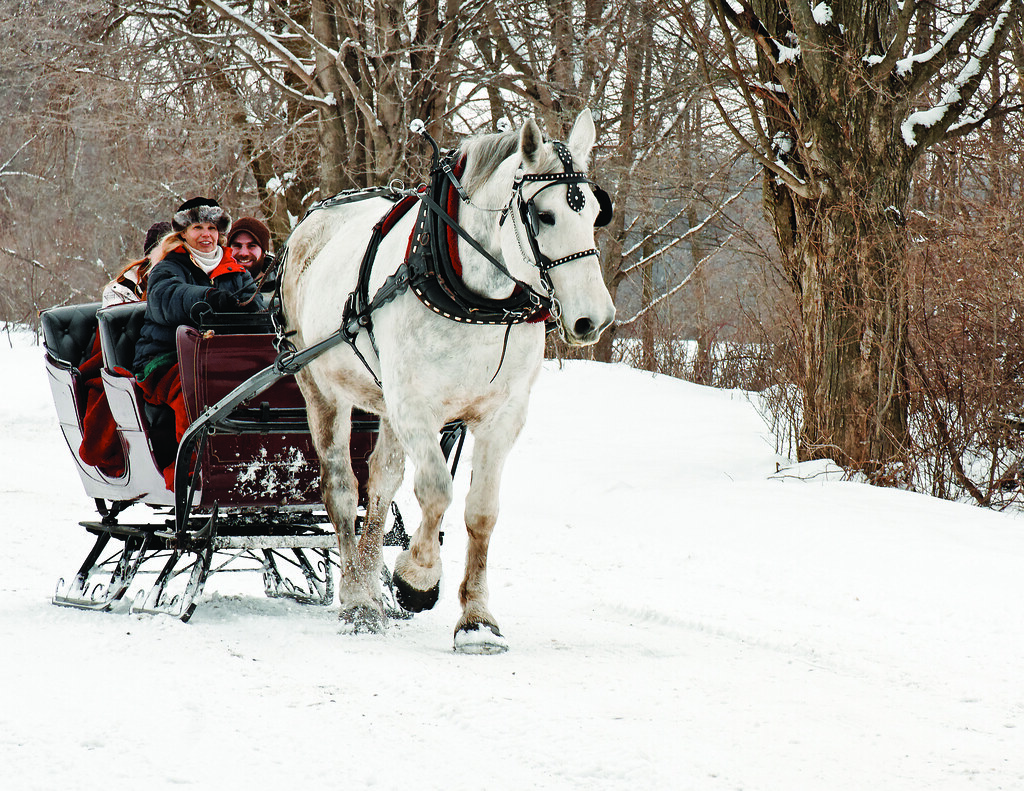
(179,293)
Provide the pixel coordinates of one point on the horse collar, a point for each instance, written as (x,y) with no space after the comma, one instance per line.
(435,272)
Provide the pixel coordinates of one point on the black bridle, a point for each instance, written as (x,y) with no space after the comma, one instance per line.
(575,197)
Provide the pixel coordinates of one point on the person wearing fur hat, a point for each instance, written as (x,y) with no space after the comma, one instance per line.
(194,275)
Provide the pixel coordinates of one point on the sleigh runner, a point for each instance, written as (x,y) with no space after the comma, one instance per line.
(247,490)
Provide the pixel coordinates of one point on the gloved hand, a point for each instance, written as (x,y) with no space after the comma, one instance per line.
(222,301)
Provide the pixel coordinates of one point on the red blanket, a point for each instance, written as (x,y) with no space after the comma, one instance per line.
(164,387)
(101,445)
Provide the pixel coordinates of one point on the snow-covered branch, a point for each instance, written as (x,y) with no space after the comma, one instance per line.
(24,174)
(20,257)
(314,43)
(884,64)
(757,151)
(281,85)
(917,70)
(4,167)
(937,121)
(268,40)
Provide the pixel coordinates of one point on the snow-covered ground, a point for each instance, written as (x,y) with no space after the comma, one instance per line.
(680,616)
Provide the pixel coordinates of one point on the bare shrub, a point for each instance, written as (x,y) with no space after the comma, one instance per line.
(967,344)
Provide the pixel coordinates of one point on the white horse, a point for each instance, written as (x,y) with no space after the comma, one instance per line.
(420,369)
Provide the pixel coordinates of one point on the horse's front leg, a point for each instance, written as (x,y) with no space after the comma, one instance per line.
(477,631)
(417,575)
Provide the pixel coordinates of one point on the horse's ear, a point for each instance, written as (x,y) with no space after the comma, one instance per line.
(582,137)
(530,142)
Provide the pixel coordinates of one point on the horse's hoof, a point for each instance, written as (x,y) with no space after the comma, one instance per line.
(362,619)
(480,638)
(414,600)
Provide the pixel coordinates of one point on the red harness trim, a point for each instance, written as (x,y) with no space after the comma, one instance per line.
(452,208)
(398,212)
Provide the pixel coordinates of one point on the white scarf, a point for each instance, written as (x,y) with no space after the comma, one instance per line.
(206,261)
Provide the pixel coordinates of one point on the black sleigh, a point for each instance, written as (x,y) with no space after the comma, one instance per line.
(246,493)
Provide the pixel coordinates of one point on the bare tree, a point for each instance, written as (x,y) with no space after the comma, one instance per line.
(268,105)
(967,316)
(57,115)
(117,123)
(838,103)
(366,69)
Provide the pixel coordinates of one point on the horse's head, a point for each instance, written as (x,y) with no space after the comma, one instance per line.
(552,215)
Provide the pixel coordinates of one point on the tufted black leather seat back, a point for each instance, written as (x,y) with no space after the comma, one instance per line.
(120,326)
(69,332)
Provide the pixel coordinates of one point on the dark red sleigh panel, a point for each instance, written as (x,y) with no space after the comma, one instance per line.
(270,466)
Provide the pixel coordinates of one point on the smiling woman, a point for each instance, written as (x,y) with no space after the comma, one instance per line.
(194,276)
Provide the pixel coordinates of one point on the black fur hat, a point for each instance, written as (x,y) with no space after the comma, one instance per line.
(200,210)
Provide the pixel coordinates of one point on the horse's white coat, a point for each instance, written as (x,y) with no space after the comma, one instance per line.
(433,370)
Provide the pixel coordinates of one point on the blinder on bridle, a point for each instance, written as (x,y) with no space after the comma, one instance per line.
(572,178)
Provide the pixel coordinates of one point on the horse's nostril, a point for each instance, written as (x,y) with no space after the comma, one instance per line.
(583,327)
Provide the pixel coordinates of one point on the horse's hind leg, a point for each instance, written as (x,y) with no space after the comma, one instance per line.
(387,467)
(330,426)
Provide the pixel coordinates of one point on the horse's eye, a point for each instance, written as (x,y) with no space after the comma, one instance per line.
(546,218)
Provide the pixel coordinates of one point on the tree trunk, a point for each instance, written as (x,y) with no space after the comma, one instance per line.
(622,162)
(335,164)
(852,275)
(699,286)
(841,234)
(648,357)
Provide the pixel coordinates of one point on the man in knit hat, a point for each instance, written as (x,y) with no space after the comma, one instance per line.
(249,240)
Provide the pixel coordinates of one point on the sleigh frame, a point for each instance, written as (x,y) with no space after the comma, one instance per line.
(246,493)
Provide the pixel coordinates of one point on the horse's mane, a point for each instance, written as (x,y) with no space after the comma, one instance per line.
(485,152)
